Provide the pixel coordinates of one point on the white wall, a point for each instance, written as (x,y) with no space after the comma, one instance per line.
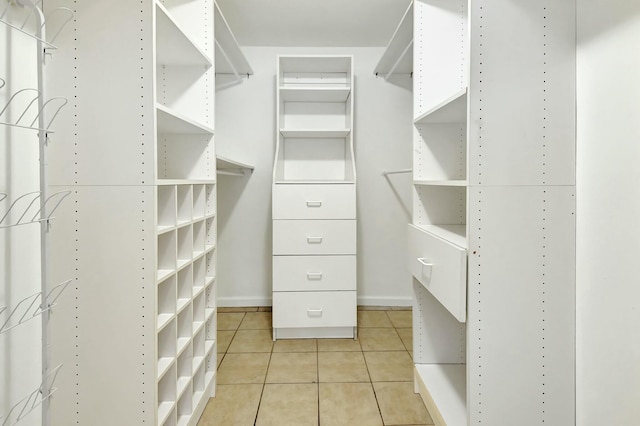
(245,130)
(608,213)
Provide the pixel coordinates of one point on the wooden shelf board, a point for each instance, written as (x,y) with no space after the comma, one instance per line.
(443,390)
(397,47)
(164,273)
(182,303)
(197,326)
(173,45)
(161,229)
(208,346)
(454,234)
(307,182)
(164,364)
(315,133)
(451,110)
(163,320)
(166,182)
(225,163)
(164,409)
(441,182)
(182,384)
(197,289)
(172,122)
(182,263)
(208,313)
(209,281)
(315,93)
(182,344)
(230,59)
(197,363)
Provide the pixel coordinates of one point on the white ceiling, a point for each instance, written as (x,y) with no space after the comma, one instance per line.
(313,22)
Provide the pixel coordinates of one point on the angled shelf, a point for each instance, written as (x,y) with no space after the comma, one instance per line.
(172,122)
(227,166)
(229,56)
(451,110)
(443,388)
(398,56)
(453,234)
(315,133)
(316,93)
(173,45)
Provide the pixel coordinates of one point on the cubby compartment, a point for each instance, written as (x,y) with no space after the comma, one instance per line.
(185,371)
(199,233)
(185,283)
(166,250)
(299,71)
(312,115)
(198,312)
(166,349)
(194,18)
(440,154)
(211,319)
(185,204)
(199,384)
(441,210)
(185,148)
(199,201)
(166,301)
(166,207)
(211,363)
(185,245)
(167,397)
(199,273)
(185,326)
(178,92)
(198,349)
(211,237)
(185,408)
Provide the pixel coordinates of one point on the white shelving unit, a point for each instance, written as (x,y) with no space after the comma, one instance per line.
(492,238)
(314,211)
(142,216)
(398,56)
(231,64)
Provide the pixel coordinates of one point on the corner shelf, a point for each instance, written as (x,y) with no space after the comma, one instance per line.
(174,47)
(398,56)
(451,110)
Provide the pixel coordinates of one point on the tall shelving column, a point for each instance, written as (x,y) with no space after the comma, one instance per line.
(143,216)
(314,199)
(492,238)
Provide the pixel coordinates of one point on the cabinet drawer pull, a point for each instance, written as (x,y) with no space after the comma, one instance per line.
(314,312)
(314,203)
(314,240)
(427,265)
(314,276)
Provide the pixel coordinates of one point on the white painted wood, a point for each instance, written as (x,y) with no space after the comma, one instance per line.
(314,201)
(323,133)
(441,267)
(452,109)
(174,46)
(314,309)
(396,50)
(314,94)
(231,60)
(305,237)
(443,390)
(314,273)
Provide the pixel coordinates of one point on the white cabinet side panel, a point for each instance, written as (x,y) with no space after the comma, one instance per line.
(522,93)
(103,327)
(521,305)
(109,119)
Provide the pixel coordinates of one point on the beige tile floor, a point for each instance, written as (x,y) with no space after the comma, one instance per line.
(328,382)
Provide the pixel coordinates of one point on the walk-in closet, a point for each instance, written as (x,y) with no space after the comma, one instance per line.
(319,212)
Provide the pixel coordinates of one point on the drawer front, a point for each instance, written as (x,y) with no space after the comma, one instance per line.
(313,273)
(314,201)
(441,267)
(314,309)
(300,237)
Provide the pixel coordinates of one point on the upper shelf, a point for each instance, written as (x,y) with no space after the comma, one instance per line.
(315,133)
(173,45)
(314,93)
(229,57)
(171,122)
(227,164)
(451,110)
(397,57)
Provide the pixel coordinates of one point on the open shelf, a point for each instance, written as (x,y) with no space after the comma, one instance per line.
(440,182)
(454,234)
(397,57)
(173,46)
(451,110)
(316,93)
(164,410)
(165,182)
(229,56)
(171,122)
(227,165)
(443,390)
(315,133)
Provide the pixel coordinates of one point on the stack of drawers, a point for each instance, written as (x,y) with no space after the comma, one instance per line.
(314,260)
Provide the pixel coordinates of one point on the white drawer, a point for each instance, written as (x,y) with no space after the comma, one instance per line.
(300,237)
(312,273)
(314,309)
(441,267)
(314,201)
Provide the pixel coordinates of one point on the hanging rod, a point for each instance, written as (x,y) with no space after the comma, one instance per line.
(26,405)
(396,172)
(4,16)
(40,212)
(63,102)
(29,308)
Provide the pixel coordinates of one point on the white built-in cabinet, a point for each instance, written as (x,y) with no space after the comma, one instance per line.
(314,199)
(493,234)
(138,155)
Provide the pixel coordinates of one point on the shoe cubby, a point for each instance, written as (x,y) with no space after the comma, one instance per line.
(166,301)
(185,327)
(185,284)
(185,245)
(167,397)
(185,371)
(211,266)
(211,237)
(166,209)
(166,348)
(185,204)
(185,408)
(199,237)
(198,312)
(166,250)
(199,274)
(199,201)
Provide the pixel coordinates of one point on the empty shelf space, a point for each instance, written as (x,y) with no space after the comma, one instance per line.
(229,56)
(311,133)
(443,390)
(182,385)
(316,93)
(440,182)
(450,110)
(164,273)
(164,319)
(397,57)
(454,234)
(171,122)
(164,364)
(224,163)
(174,46)
(182,344)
